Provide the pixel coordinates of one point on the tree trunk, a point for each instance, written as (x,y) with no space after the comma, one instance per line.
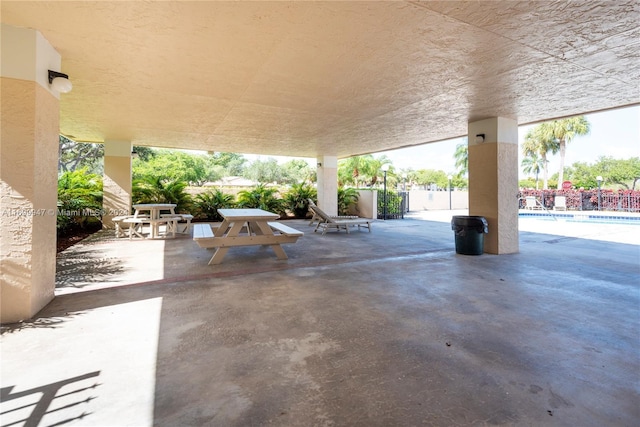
(545,182)
(563,147)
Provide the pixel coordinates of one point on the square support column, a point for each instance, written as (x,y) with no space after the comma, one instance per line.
(493,181)
(116,182)
(328,184)
(30,123)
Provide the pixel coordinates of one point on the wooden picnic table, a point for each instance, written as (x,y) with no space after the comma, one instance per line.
(151,213)
(260,229)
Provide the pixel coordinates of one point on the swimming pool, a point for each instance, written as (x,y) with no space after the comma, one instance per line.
(585,217)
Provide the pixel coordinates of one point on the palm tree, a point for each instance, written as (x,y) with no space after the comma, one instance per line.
(462,158)
(374,170)
(563,131)
(350,170)
(533,164)
(536,142)
(361,169)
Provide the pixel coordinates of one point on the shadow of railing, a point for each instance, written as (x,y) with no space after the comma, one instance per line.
(19,408)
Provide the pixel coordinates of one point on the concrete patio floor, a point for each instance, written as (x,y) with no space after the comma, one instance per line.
(389,328)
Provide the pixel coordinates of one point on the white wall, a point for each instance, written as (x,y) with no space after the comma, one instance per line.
(420,200)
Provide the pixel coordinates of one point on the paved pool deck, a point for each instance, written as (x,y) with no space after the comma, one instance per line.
(389,328)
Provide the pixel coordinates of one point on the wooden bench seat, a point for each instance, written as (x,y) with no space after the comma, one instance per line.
(205,237)
(117,220)
(185,221)
(285,229)
(136,224)
(202,231)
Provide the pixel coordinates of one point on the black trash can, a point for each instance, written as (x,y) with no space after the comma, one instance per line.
(469,231)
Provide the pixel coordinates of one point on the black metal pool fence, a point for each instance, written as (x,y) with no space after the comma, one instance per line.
(584,200)
(397,203)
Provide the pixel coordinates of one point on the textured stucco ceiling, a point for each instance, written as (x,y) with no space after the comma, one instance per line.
(334,78)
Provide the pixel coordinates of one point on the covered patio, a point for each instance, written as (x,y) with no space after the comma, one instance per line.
(389,328)
(325,80)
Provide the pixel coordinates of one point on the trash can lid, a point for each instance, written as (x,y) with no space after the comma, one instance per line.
(469,220)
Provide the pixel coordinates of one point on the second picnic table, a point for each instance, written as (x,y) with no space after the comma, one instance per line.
(154,217)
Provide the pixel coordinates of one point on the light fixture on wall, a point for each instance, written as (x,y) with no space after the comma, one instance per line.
(480,138)
(60,82)
(319,164)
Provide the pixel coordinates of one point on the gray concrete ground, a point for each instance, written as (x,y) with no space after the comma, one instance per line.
(389,328)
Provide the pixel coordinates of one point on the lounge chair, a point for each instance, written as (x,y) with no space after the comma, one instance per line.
(532,203)
(317,217)
(327,222)
(560,203)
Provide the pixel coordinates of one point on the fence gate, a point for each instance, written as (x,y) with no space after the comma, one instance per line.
(397,203)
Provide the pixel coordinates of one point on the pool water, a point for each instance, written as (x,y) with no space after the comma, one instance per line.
(584,217)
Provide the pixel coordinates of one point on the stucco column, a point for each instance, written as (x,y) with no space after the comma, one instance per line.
(493,181)
(328,184)
(30,120)
(116,182)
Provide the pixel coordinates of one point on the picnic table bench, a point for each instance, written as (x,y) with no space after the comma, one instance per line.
(136,225)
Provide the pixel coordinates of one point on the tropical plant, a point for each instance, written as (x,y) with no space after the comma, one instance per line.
(563,131)
(461,156)
(297,199)
(261,197)
(354,169)
(153,189)
(79,199)
(537,142)
(208,203)
(347,197)
(378,175)
(532,164)
(363,170)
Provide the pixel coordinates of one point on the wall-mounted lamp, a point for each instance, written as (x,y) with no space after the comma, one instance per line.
(60,82)
(319,164)
(480,138)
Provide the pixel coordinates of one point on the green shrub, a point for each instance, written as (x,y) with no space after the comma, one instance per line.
(79,200)
(347,196)
(208,203)
(297,199)
(261,197)
(153,189)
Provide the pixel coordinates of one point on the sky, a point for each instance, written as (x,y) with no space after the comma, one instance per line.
(614,133)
